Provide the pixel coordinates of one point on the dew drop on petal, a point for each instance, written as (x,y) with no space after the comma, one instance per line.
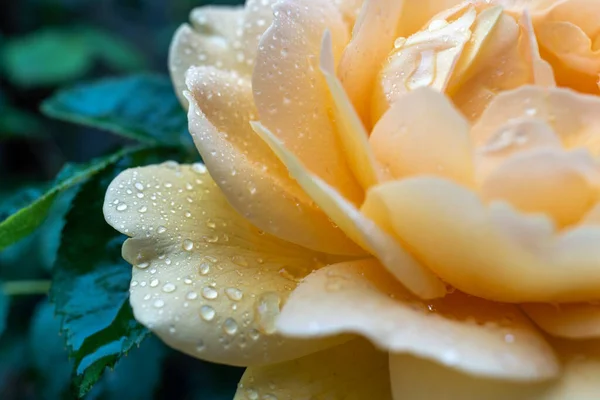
(204,268)
(169,287)
(122,207)
(158,303)
(191,296)
(209,293)
(234,294)
(207,313)
(267,311)
(188,245)
(230,327)
(143,265)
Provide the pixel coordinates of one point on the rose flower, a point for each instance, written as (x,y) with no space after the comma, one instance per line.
(397,201)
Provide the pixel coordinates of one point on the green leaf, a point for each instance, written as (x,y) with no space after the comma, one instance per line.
(91,281)
(54,56)
(142,107)
(24,221)
(45,57)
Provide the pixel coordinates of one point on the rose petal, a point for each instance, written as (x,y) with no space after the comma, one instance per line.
(354,370)
(257,18)
(205,280)
(573,321)
(253,179)
(542,72)
(408,141)
(289,88)
(426,58)
(352,134)
(574,117)
(372,38)
(209,41)
(360,229)
(549,181)
(502,62)
(462,332)
(515,136)
(491,251)
(412,379)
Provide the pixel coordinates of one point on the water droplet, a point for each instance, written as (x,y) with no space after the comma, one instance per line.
(211,224)
(204,268)
(143,209)
(161,229)
(199,168)
(188,245)
(191,296)
(267,310)
(200,346)
(122,207)
(154,283)
(239,260)
(234,294)
(169,287)
(230,327)
(509,338)
(252,394)
(207,313)
(158,303)
(139,186)
(209,293)
(143,265)
(254,334)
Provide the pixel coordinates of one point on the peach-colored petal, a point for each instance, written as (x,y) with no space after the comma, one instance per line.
(416,14)
(541,71)
(205,280)
(414,378)
(462,332)
(574,117)
(372,38)
(251,177)
(209,41)
(257,18)
(515,136)
(352,134)
(422,133)
(574,321)
(349,9)
(549,181)
(503,62)
(426,58)
(572,50)
(492,251)
(363,231)
(351,371)
(289,88)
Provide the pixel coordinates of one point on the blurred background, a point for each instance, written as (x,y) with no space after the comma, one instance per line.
(46,45)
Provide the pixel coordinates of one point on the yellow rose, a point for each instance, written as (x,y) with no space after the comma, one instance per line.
(458,235)
(568,32)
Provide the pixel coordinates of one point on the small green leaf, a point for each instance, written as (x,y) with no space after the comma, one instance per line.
(24,221)
(91,281)
(55,56)
(142,107)
(45,57)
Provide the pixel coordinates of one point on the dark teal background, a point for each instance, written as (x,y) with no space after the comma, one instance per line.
(46,45)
